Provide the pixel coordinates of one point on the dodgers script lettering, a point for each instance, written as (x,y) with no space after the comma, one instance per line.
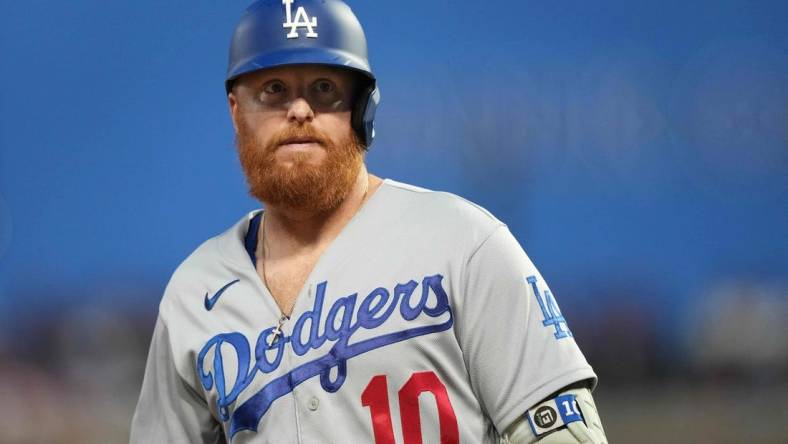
(342,320)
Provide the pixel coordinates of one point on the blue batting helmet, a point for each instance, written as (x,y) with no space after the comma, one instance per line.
(295,32)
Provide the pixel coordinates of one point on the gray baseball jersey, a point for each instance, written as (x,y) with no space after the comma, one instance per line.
(423,321)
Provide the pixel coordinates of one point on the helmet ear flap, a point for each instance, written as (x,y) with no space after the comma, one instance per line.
(363,118)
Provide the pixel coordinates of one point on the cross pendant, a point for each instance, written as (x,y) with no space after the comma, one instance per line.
(278,330)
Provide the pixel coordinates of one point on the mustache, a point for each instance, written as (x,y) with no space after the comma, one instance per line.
(299,134)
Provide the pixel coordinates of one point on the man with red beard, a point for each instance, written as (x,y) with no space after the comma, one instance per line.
(304,161)
(351,309)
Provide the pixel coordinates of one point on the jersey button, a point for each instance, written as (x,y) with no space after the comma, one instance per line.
(313,403)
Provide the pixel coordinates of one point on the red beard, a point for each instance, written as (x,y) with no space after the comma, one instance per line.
(300,185)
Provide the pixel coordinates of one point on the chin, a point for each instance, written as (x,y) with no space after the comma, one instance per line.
(300,159)
(299,174)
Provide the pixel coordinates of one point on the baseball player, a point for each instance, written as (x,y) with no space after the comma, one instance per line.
(352,309)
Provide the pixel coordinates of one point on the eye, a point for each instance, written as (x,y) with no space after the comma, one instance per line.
(327,95)
(274,87)
(273,93)
(324,86)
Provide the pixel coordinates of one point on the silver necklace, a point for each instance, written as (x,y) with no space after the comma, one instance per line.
(283,317)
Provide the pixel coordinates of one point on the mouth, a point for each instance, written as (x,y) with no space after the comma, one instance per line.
(300,141)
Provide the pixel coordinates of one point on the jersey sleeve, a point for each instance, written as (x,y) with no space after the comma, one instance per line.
(517,346)
(169,410)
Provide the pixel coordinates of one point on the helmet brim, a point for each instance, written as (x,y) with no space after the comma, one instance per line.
(303,56)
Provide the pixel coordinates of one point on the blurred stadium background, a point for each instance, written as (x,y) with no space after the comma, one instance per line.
(638,150)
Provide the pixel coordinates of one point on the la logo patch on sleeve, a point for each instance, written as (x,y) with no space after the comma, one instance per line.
(551,314)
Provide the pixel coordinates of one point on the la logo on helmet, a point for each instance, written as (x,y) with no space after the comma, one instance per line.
(302,20)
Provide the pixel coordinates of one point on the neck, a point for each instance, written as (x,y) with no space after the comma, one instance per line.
(303,229)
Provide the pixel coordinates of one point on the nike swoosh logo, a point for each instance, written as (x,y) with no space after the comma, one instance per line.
(210,302)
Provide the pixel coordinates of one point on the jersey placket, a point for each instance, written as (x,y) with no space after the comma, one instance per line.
(299,398)
(309,396)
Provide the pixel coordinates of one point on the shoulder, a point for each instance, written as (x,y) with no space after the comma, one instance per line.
(214,261)
(439,220)
(443,208)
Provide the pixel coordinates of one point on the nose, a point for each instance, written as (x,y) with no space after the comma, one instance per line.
(300,111)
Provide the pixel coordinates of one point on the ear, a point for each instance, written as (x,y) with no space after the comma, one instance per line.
(232,103)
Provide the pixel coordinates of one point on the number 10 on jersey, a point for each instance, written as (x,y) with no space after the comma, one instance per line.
(376,397)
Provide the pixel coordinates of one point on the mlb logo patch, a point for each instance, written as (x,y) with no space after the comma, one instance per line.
(553,414)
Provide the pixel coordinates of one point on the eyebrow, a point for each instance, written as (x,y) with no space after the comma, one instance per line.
(345,81)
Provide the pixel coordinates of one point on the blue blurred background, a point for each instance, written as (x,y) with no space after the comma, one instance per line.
(638,150)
